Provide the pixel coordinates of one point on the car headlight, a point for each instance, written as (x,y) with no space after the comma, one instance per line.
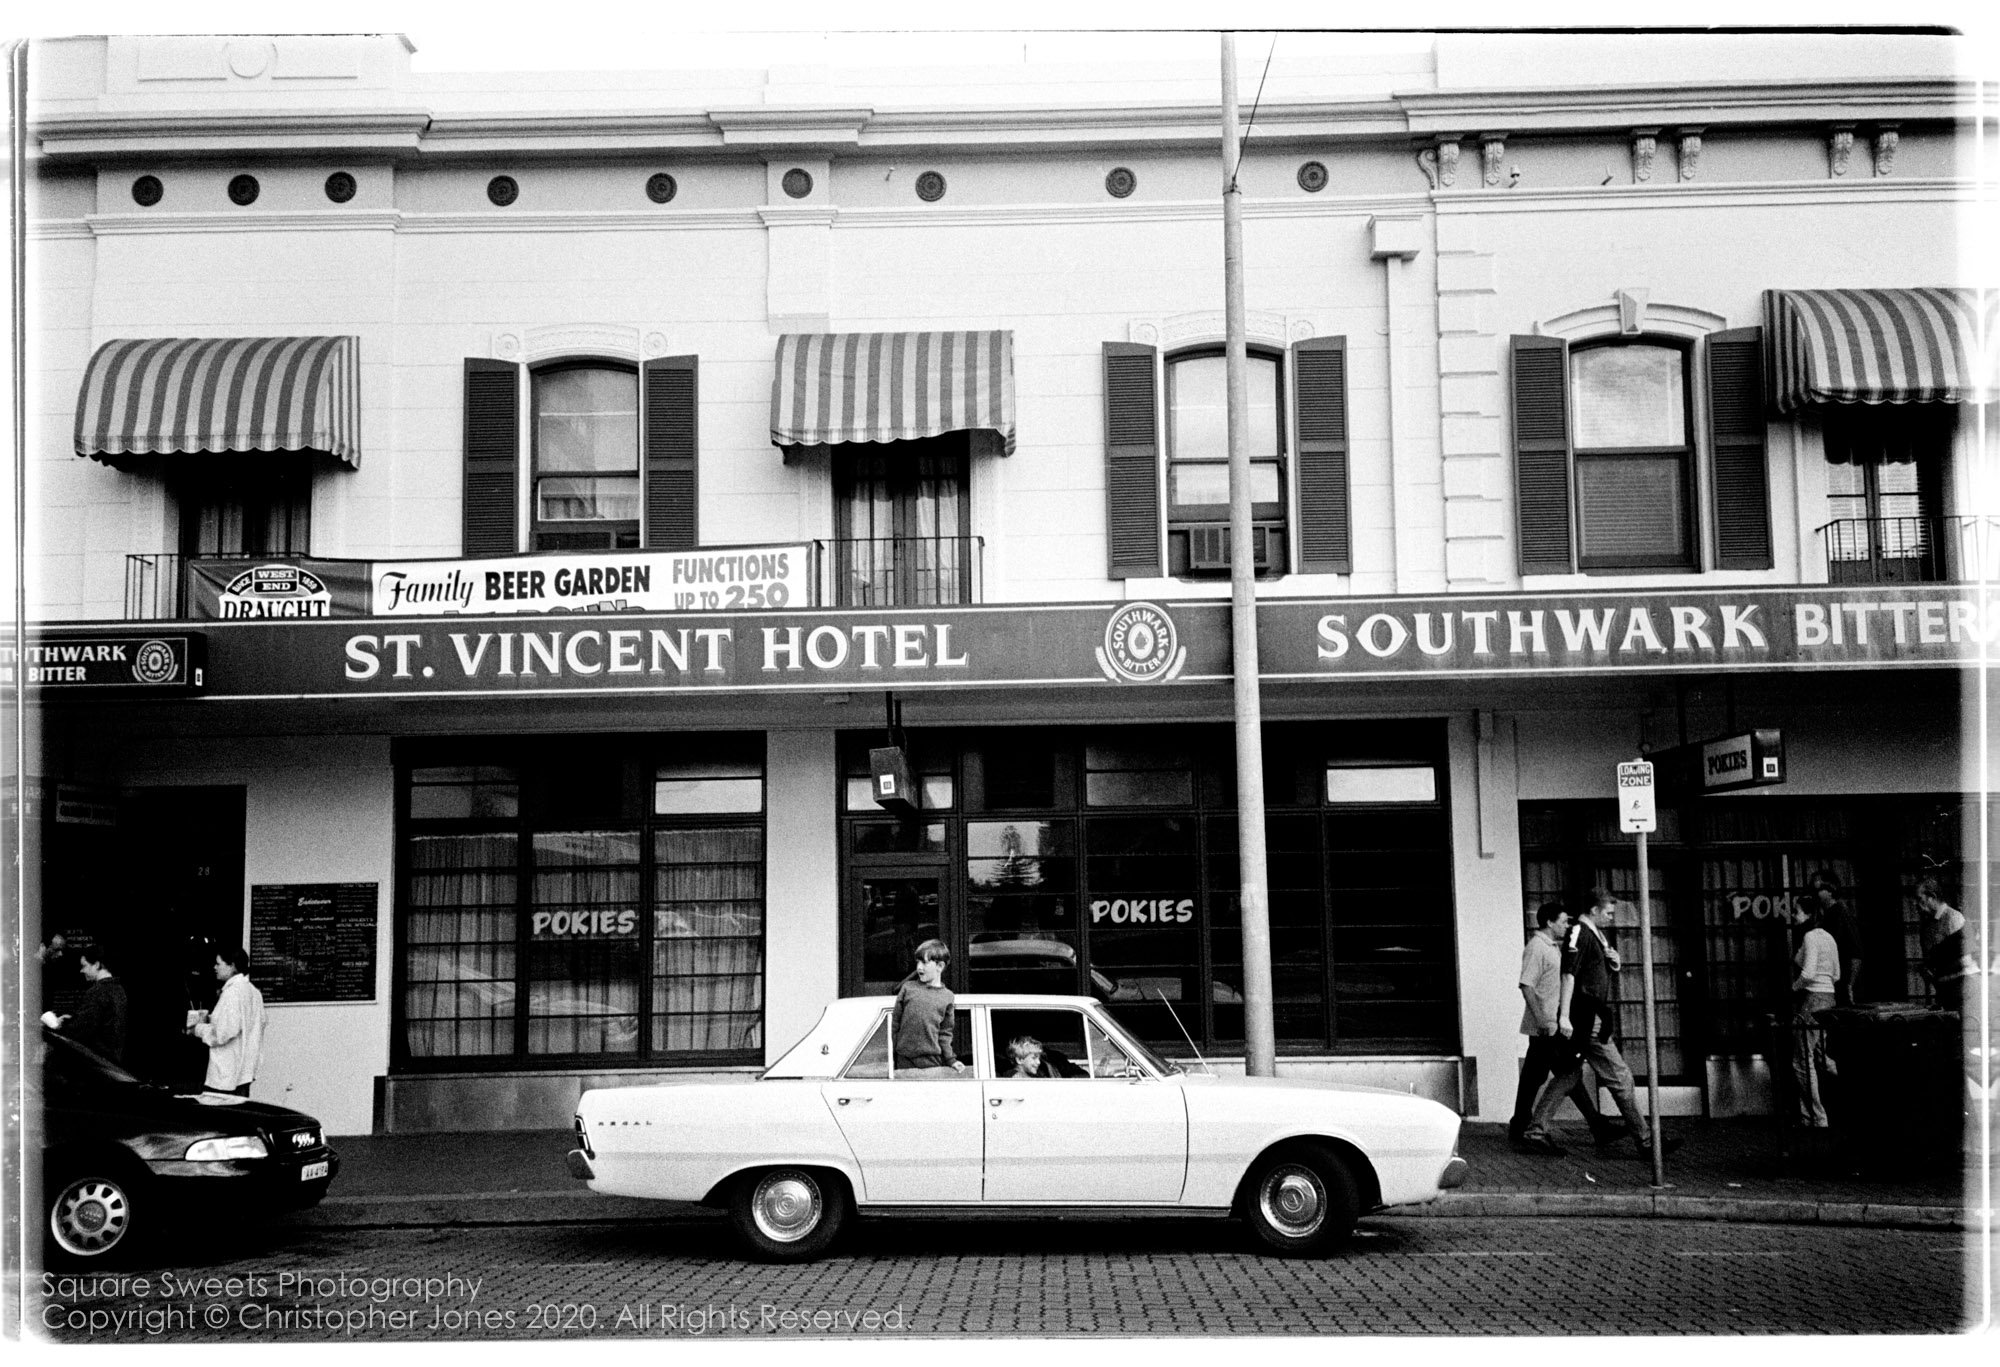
(235,1146)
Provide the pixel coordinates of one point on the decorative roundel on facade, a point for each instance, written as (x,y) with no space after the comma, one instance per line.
(153,663)
(146,191)
(243,189)
(340,187)
(1120,183)
(1312,177)
(1140,646)
(661,187)
(930,187)
(503,190)
(797,183)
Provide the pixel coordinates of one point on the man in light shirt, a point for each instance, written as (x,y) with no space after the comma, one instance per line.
(234,1030)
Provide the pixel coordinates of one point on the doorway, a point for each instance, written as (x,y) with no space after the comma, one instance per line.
(893,908)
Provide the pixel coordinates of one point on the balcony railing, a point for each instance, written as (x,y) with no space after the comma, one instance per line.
(900,571)
(1910,550)
(155,588)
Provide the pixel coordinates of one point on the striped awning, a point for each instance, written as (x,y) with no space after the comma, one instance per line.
(180,395)
(891,386)
(1879,346)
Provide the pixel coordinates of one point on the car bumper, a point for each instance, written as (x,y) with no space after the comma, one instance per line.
(1454,1174)
(257,1183)
(579,1166)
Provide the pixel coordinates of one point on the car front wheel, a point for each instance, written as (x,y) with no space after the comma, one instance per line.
(90,1217)
(789,1215)
(1301,1202)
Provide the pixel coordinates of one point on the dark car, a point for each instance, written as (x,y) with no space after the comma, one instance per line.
(121,1158)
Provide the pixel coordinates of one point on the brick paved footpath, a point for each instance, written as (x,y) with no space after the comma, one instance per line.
(684,1280)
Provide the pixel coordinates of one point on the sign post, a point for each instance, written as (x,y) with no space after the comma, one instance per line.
(1636,814)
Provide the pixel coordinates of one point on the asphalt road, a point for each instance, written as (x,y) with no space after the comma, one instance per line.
(683,1280)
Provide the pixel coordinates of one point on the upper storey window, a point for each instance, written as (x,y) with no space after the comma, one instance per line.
(586,423)
(1634,457)
(1198,462)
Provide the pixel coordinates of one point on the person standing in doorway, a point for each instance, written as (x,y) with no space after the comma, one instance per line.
(1588,962)
(1837,918)
(1817,962)
(234,1031)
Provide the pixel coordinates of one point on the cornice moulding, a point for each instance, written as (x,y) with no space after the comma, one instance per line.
(1704,195)
(1593,107)
(794,126)
(141,136)
(242,221)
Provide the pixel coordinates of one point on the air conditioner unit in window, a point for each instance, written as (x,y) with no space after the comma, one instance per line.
(1208,546)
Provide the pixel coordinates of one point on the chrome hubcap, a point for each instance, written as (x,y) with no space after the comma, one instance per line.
(786,1207)
(1292,1199)
(90,1217)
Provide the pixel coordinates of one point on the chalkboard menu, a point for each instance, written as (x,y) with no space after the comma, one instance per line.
(313,942)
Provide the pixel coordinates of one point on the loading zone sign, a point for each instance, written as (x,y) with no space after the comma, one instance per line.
(1635,798)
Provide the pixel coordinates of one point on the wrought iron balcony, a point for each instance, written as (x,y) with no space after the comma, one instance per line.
(900,571)
(155,588)
(1910,550)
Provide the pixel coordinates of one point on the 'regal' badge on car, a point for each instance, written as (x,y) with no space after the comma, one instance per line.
(1141,646)
(1051,1107)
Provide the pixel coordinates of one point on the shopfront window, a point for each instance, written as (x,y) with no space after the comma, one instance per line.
(582,901)
(1104,864)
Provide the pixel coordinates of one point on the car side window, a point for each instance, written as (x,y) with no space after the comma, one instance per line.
(1107,1058)
(1029,1045)
(873,1060)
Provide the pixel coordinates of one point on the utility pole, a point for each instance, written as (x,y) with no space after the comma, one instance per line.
(1260,1051)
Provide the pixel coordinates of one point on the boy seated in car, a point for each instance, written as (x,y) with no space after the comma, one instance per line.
(1034,1059)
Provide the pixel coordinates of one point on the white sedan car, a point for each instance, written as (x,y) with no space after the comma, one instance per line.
(1104,1124)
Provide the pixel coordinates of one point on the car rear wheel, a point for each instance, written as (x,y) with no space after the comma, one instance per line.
(1301,1202)
(789,1215)
(91,1217)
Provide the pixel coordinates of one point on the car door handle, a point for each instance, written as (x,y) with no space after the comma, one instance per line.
(1006,1101)
(854,1100)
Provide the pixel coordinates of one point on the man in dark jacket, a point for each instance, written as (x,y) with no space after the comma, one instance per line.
(1588,962)
(99,1023)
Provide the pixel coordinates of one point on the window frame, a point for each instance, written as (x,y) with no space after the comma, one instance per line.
(1687,455)
(1180,516)
(533,816)
(618,528)
(280,489)
(904,501)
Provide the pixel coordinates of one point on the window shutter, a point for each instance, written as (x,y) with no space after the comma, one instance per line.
(672,505)
(1736,446)
(1541,454)
(1319,384)
(492,457)
(1131,460)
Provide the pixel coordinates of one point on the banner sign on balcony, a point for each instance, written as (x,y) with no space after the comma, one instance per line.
(235,590)
(1125,646)
(82,660)
(727,579)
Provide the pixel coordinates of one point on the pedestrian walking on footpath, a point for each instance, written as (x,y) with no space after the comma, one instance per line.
(234,1030)
(1837,917)
(1550,1052)
(1589,960)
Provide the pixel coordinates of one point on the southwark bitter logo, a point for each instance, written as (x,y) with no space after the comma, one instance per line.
(154,663)
(275,591)
(1140,646)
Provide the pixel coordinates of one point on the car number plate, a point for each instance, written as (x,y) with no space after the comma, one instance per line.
(312,1170)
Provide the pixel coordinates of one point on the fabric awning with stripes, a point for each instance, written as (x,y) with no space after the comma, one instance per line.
(891,386)
(1879,346)
(182,395)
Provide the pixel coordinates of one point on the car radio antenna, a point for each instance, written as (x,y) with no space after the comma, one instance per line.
(1183,1029)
